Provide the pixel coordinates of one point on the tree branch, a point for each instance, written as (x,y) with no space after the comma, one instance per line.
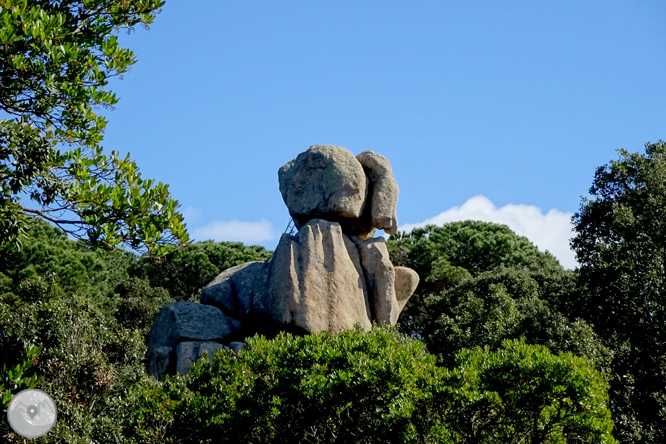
(42,213)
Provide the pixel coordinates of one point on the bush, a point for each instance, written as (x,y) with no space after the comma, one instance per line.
(355,387)
(524,393)
(504,304)
(376,387)
(448,256)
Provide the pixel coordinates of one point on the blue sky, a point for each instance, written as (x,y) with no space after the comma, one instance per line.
(493,110)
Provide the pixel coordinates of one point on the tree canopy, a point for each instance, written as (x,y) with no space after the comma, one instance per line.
(447,256)
(621,247)
(56,60)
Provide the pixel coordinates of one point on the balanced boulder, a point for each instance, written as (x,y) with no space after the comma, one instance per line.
(325,182)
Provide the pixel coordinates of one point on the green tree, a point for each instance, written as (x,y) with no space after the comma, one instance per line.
(446,256)
(621,247)
(507,303)
(56,59)
(482,284)
(525,394)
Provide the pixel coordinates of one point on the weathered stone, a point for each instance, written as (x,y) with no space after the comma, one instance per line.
(369,235)
(325,181)
(186,354)
(384,194)
(189,321)
(182,322)
(158,361)
(211,348)
(406,281)
(237,347)
(380,276)
(235,288)
(190,352)
(316,281)
(331,276)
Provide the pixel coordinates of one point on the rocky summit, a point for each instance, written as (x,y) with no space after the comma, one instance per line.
(331,275)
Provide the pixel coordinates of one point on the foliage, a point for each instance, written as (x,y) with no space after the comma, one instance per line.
(183,272)
(378,387)
(90,311)
(137,304)
(17,377)
(47,251)
(447,256)
(56,59)
(86,355)
(355,387)
(505,303)
(481,284)
(525,394)
(621,246)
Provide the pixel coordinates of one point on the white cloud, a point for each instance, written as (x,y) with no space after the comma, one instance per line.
(235,230)
(550,231)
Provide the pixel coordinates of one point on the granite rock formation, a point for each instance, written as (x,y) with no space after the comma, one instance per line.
(332,275)
(316,281)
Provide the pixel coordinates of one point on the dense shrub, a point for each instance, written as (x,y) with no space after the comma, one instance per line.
(376,387)
(355,387)
(523,393)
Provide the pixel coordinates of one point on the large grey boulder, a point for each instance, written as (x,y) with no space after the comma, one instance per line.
(316,282)
(185,322)
(189,321)
(189,352)
(235,289)
(380,276)
(159,359)
(325,181)
(384,195)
